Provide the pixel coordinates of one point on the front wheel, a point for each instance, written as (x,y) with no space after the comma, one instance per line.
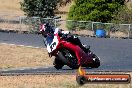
(71,57)
(58,64)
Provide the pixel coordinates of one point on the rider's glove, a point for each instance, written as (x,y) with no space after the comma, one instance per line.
(64,36)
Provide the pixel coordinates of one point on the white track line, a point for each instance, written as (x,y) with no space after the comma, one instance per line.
(23,68)
(18,45)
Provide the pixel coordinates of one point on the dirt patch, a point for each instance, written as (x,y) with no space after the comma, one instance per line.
(119,34)
(84,32)
(16,27)
(46,81)
(10,8)
(18,56)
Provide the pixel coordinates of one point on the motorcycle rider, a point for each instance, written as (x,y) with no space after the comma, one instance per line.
(48,30)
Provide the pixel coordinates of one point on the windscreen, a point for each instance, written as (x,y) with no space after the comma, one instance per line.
(49,40)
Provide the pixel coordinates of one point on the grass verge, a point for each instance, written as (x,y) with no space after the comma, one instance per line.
(50,81)
(18,56)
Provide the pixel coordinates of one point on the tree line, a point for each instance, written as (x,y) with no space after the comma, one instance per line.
(86,10)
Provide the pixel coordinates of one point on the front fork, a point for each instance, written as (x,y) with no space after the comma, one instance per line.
(62,58)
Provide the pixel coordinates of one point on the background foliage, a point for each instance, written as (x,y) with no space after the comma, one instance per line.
(39,8)
(94,10)
(124,15)
(82,10)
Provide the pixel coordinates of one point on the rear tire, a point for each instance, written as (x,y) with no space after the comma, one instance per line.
(58,64)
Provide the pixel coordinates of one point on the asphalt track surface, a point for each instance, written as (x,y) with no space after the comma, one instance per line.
(115,54)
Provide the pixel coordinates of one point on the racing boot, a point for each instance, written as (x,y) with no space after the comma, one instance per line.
(86,48)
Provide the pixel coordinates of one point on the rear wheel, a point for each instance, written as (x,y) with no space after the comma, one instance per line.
(58,64)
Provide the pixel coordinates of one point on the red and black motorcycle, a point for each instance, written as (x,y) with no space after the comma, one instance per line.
(70,54)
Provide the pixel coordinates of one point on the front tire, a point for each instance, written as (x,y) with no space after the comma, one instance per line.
(58,64)
(71,57)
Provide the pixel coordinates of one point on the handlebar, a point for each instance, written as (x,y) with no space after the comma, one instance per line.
(56,17)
